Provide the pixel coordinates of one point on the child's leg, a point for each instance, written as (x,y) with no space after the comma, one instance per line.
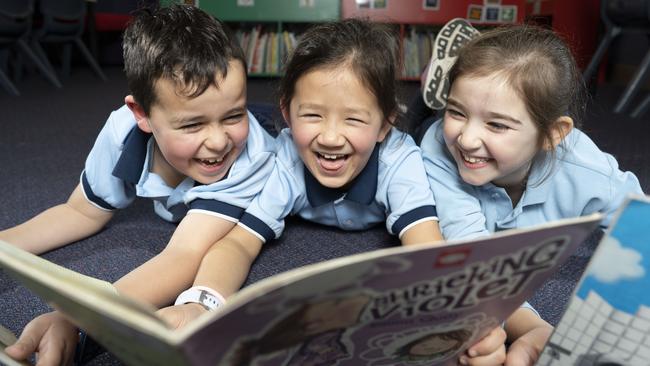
(451,37)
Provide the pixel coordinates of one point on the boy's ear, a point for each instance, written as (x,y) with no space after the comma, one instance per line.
(561,128)
(285,114)
(385,128)
(138,112)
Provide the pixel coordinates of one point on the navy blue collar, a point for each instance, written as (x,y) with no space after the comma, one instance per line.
(134,153)
(362,189)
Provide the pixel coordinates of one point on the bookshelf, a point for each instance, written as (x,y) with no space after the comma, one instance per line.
(420,20)
(268,29)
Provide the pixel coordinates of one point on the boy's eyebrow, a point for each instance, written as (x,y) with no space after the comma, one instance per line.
(234,110)
(190,117)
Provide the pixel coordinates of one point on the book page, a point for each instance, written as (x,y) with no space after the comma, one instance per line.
(129,329)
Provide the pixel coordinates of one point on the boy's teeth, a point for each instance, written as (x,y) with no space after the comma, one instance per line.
(212,161)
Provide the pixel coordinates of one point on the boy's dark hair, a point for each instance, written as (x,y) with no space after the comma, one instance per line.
(371,49)
(181,43)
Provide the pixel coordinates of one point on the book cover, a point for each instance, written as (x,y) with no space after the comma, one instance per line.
(607,321)
(415,305)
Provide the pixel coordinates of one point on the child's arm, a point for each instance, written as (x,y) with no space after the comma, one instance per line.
(175,267)
(424,232)
(60,225)
(224,269)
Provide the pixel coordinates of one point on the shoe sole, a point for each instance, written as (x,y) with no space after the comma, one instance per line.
(453,35)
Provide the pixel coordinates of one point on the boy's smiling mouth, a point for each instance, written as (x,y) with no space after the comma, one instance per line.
(211,162)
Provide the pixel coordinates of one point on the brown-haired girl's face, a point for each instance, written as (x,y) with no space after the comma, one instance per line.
(489,131)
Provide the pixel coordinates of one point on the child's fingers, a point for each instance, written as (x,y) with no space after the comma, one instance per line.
(178,316)
(21,350)
(498,357)
(522,353)
(489,344)
(29,339)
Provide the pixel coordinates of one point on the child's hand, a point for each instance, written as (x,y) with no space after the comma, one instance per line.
(51,335)
(490,350)
(178,316)
(526,349)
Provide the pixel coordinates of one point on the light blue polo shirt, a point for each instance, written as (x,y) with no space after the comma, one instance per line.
(584,180)
(118,169)
(392,188)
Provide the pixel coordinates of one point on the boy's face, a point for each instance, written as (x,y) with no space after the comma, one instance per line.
(199,137)
(335,122)
(489,131)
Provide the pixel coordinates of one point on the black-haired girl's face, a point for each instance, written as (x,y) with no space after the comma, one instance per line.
(336,123)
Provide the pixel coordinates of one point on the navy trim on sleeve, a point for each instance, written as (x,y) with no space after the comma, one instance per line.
(90,195)
(413,216)
(219,207)
(129,166)
(258,226)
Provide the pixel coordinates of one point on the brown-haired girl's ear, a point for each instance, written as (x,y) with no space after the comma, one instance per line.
(138,113)
(560,129)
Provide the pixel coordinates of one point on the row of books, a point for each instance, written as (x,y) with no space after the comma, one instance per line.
(266,50)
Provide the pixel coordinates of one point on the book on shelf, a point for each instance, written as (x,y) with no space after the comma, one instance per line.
(607,321)
(257,65)
(252,45)
(383,307)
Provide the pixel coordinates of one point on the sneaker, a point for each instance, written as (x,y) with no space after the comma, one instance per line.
(452,36)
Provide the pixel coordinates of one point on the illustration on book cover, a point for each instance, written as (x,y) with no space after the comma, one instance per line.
(393,322)
(608,319)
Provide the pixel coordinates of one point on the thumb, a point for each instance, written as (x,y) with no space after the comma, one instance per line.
(24,347)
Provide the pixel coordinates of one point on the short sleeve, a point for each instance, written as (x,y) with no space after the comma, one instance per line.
(622,184)
(284,188)
(408,197)
(459,210)
(100,186)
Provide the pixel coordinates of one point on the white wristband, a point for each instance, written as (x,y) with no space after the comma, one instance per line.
(205,296)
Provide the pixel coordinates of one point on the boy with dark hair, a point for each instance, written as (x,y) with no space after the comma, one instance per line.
(184,139)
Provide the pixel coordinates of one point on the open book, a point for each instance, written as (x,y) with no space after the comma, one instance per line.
(406,305)
(607,321)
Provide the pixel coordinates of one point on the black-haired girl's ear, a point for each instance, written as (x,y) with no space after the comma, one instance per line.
(385,128)
(560,129)
(138,113)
